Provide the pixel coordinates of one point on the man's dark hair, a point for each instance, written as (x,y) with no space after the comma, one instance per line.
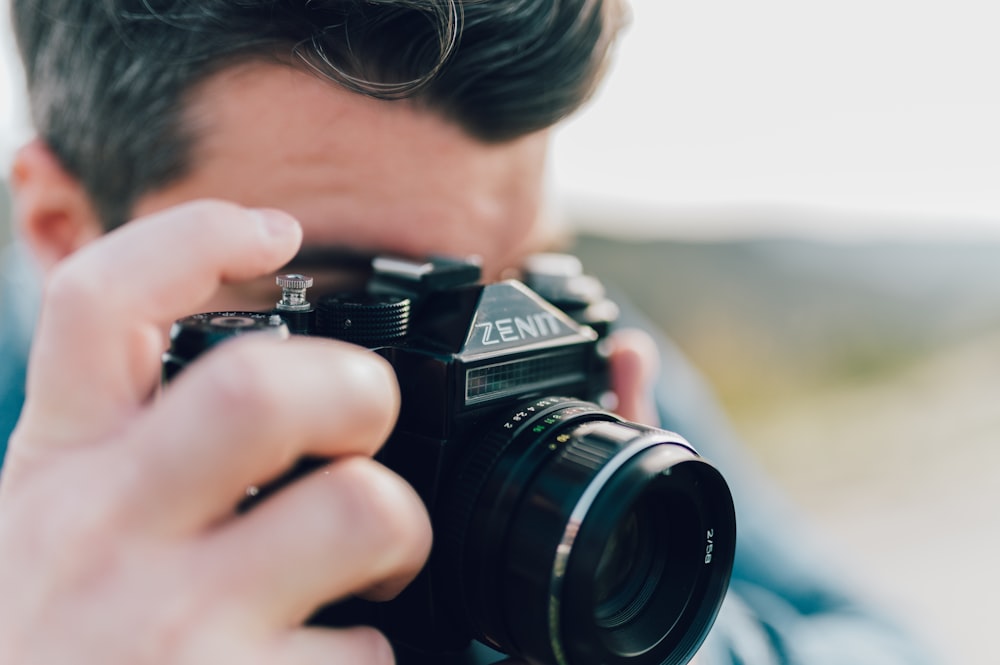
(108,79)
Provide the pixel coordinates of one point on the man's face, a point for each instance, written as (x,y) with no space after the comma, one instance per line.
(358,173)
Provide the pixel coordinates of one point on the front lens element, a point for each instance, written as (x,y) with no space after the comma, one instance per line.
(630,568)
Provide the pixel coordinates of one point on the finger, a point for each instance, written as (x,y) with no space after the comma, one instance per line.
(634,364)
(336,532)
(242,415)
(313,646)
(96,353)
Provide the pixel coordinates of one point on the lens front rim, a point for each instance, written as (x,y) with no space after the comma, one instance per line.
(687,596)
(561,577)
(681,606)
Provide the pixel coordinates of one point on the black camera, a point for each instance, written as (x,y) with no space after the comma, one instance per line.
(563,534)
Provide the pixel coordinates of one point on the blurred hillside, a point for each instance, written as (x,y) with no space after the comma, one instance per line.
(769,318)
(866,378)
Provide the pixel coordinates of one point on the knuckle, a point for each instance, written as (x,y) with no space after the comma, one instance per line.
(363,385)
(375,646)
(240,379)
(389,509)
(377,378)
(73,285)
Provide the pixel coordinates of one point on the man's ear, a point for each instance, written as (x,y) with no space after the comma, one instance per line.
(52,211)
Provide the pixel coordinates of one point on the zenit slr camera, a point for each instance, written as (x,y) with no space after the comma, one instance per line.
(563,534)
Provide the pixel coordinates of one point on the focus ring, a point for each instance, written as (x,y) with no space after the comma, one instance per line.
(474,472)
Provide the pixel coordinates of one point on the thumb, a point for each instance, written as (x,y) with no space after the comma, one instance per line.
(635,362)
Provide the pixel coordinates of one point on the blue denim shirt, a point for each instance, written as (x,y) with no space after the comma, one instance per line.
(789,602)
(18,309)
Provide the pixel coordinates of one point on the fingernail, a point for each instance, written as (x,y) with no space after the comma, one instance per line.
(275,224)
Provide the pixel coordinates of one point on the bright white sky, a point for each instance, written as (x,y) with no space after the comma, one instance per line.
(846,119)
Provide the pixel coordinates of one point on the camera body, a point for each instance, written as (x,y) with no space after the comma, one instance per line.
(502,434)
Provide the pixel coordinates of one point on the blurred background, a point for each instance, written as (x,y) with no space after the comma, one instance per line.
(805,196)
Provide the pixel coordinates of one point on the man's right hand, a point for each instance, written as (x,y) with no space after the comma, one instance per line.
(119,543)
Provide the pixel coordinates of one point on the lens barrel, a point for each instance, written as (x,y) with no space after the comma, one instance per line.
(582,539)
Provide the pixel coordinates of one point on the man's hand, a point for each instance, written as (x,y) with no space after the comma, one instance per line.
(635,362)
(119,543)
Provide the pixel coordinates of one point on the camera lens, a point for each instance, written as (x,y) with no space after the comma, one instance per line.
(630,568)
(580,539)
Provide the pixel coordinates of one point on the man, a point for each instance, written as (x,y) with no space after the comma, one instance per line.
(233,134)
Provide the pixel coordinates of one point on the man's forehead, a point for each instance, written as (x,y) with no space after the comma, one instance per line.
(266,99)
(360,173)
